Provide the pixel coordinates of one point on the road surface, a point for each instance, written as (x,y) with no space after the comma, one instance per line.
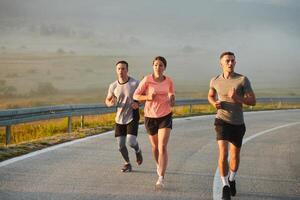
(90,168)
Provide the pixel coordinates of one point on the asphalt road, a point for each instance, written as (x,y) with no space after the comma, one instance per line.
(90,168)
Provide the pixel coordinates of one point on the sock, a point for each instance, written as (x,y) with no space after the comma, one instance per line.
(232,175)
(225,180)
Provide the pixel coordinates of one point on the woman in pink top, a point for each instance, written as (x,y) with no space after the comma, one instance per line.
(157,91)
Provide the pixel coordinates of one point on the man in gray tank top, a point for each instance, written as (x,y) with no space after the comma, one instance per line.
(120,94)
(227,93)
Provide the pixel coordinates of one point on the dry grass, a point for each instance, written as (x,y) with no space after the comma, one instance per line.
(29,132)
(33,136)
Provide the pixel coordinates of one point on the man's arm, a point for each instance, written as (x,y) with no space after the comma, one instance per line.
(248,99)
(110,100)
(135,104)
(212,98)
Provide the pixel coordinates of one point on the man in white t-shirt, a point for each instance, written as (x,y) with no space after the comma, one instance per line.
(120,94)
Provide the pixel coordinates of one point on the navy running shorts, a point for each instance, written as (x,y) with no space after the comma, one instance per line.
(130,128)
(230,132)
(153,124)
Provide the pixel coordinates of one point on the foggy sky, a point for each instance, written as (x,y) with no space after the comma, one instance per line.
(192,25)
(265,34)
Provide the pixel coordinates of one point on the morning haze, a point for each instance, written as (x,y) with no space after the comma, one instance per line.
(64,51)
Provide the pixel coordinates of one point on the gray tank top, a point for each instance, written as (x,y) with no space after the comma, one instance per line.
(230,112)
(124,94)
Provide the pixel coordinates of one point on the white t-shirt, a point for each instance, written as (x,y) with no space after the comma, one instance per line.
(124,94)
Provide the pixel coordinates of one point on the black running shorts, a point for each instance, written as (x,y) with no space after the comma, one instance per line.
(232,133)
(153,124)
(130,128)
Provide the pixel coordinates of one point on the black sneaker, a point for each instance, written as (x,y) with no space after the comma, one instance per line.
(139,158)
(126,168)
(232,188)
(226,193)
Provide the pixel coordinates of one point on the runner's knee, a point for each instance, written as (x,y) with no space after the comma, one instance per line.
(223,156)
(235,157)
(131,140)
(163,149)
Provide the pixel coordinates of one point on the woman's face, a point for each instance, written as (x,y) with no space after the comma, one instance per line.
(158,67)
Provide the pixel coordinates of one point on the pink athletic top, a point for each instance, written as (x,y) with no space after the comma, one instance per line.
(160,106)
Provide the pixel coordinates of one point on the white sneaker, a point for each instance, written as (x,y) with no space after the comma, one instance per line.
(160,183)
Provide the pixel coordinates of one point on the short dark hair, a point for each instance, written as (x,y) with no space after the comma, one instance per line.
(123,62)
(162,59)
(229,53)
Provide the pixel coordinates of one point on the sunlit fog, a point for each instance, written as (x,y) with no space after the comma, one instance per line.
(65,48)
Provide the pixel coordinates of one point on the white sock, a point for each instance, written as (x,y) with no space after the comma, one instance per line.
(232,175)
(225,180)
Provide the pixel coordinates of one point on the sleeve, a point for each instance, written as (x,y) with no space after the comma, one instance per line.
(171,88)
(211,84)
(110,92)
(247,86)
(137,83)
(141,89)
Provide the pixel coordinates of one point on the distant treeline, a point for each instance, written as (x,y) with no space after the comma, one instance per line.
(43,88)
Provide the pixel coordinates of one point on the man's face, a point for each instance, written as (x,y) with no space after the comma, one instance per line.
(227,63)
(121,70)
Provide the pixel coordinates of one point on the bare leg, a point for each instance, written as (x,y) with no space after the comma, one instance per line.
(163,138)
(234,158)
(223,157)
(154,145)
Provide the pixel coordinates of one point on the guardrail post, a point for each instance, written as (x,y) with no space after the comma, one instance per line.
(82,121)
(191,108)
(7,131)
(69,124)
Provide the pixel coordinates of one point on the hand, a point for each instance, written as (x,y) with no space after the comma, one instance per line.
(218,105)
(113,100)
(233,95)
(150,96)
(172,100)
(135,105)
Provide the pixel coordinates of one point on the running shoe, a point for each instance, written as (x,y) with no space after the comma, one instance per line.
(126,168)
(139,157)
(160,183)
(232,188)
(226,193)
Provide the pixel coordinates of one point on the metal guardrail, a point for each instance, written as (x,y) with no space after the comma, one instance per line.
(17,116)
